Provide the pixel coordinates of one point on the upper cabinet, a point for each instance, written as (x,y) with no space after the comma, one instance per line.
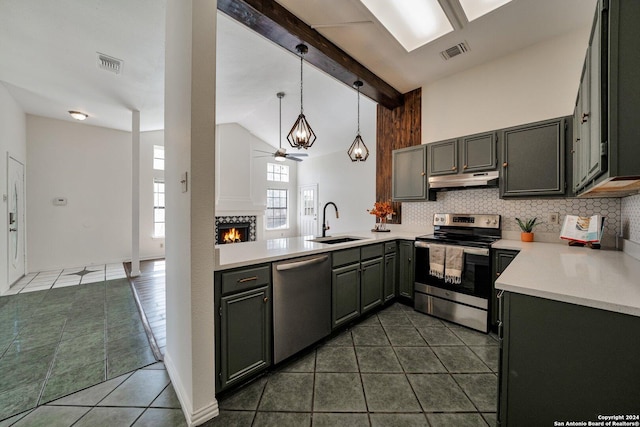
(473,153)
(533,159)
(409,174)
(605,146)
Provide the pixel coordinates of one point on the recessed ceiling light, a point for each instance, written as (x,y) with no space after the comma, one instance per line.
(412,22)
(476,8)
(78,115)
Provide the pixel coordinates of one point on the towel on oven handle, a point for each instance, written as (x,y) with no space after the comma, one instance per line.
(454,260)
(436,260)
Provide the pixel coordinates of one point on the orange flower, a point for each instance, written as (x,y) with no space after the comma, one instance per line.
(382,209)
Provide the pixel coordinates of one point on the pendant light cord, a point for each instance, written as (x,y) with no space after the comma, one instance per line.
(280,118)
(358,110)
(301,103)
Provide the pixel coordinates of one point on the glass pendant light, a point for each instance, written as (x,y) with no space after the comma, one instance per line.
(358,152)
(301,134)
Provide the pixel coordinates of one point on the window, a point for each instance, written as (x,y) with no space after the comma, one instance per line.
(279,173)
(158,207)
(158,157)
(277,209)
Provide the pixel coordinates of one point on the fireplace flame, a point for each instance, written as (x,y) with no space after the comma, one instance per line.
(232,236)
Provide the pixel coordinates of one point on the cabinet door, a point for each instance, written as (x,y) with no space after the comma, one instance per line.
(345,284)
(478,152)
(596,160)
(533,158)
(371,284)
(390,276)
(409,174)
(406,273)
(245,323)
(501,259)
(576,150)
(443,157)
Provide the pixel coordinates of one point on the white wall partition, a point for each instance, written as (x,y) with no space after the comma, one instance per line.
(12,142)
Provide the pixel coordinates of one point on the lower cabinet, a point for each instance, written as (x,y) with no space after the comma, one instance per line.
(406,269)
(371,284)
(243,329)
(345,294)
(390,272)
(501,260)
(565,362)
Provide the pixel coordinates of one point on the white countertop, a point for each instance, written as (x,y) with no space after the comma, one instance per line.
(249,253)
(604,279)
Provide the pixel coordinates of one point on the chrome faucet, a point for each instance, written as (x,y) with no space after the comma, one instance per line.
(325,227)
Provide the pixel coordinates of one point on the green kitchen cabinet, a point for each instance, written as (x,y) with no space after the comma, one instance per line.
(390,271)
(409,174)
(243,326)
(533,159)
(371,284)
(405,269)
(443,157)
(501,260)
(345,294)
(607,148)
(565,362)
(478,152)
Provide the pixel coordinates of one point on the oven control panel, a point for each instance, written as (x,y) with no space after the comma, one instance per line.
(467,220)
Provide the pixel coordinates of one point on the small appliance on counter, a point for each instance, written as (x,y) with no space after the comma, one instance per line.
(453,278)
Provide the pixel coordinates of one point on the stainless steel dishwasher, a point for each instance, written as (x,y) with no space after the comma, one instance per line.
(301,304)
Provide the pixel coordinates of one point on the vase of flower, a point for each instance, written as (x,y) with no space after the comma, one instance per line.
(382,211)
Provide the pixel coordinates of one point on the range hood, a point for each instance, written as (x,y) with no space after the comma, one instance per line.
(464,180)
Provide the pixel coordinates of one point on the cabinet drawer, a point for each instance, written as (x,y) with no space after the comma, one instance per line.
(389,247)
(347,256)
(371,251)
(239,280)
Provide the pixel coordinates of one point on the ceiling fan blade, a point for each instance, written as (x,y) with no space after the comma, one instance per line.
(297,155)
(262,151)
(295,159)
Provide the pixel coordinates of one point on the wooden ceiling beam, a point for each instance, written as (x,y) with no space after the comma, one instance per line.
(273,21)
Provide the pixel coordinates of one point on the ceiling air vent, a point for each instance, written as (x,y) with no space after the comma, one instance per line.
(106,62)
(456,50)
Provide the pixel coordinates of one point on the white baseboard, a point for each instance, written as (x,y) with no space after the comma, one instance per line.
(193,418)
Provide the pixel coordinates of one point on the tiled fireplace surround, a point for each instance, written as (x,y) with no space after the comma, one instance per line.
(622,215)
(252,220)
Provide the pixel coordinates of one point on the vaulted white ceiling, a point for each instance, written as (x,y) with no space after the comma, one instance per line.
(48,61)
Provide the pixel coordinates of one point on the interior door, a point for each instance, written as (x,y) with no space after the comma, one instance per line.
(308,198)
(15,216)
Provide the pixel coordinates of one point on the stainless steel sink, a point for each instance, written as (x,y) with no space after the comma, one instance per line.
(337,239)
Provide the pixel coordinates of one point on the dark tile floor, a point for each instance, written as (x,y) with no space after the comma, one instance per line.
(57,341)
(396,368)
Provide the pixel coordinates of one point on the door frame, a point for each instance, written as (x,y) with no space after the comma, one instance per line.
(22,216)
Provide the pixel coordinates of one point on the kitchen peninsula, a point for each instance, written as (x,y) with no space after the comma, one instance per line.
(570,318)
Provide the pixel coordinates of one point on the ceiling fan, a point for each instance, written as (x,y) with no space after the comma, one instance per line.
(281,153)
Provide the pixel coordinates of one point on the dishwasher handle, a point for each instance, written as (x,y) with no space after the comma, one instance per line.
(301,264)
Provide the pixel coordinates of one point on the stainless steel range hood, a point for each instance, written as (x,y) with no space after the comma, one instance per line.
(464,180)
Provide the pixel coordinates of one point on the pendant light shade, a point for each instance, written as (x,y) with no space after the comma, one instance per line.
(301,134)
(358,152)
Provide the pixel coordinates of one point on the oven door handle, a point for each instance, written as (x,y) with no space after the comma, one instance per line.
(467,249)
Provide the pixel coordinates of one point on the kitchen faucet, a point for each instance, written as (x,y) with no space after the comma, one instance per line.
(325,227)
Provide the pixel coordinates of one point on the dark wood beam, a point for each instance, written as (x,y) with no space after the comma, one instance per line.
(273,21)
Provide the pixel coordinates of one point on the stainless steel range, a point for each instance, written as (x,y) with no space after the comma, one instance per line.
(453,268)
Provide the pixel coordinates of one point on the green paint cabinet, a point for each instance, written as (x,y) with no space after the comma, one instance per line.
(405,267)
(565,362)
(533,159)
(371,284)
(409,174)
(390,271)
(478,152)
(345,294)
(501,260)
(443,157)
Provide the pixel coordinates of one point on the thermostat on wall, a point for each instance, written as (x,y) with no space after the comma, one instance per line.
(60,201)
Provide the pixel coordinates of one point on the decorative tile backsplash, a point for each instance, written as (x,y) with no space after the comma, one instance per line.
(631,218)
(419,215)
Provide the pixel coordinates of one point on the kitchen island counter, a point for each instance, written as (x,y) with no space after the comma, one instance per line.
(603,279)
(251,253)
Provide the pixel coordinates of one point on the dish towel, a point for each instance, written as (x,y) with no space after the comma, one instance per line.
(436,260)
(453,265)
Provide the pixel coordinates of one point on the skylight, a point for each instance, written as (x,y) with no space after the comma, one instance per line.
(476,8)
(412,22)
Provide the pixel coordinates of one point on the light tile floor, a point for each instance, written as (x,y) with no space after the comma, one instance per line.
(67,277)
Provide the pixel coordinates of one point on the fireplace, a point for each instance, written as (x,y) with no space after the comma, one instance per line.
(235,229)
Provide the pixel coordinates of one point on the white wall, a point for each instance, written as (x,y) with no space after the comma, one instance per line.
(190,59)
(537,83)
(351,186)
(91,167)
(13,141)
